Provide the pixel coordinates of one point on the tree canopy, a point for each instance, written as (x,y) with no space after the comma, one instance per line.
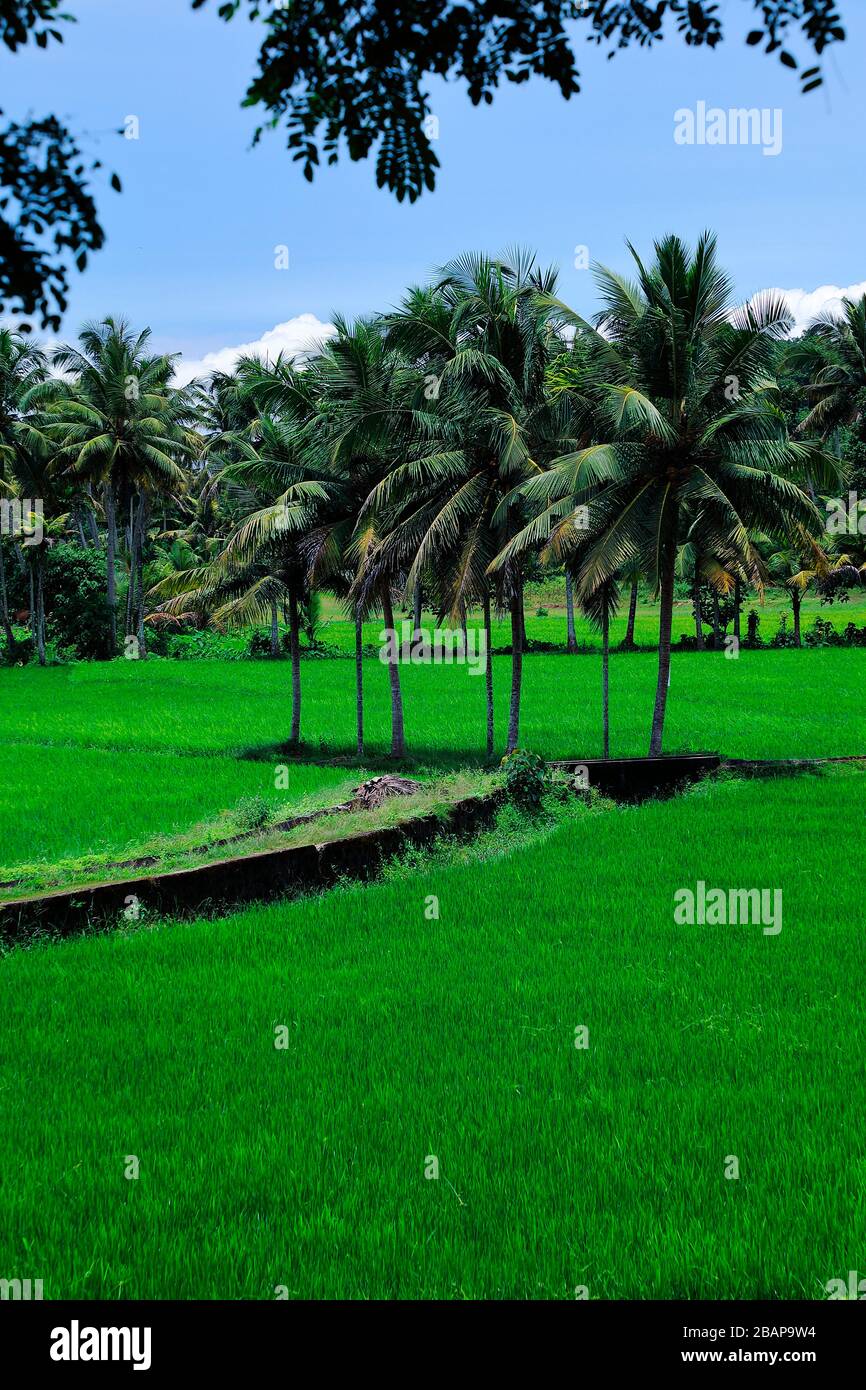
(48,218)
(356,73)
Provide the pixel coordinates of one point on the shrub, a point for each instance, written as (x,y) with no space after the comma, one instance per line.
(783,638)
(252,812)
(260,643)
(527,777)
(19,654)
(753,622)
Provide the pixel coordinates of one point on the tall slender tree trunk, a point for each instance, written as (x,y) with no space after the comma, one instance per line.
(90,518)
(488,674)
(699,618)
(40,606)
(295,652)
(398,737)
(143,520)
(605,705)
(275,632)
(666,613)
(628,640)
(516,663)
(32,580)
(465,627)
(359,682)
(111,560)
(571,645)
(717,622)
(416,611)
(738,603)
(129,626)
(796,601)
(524,640)
(4,603)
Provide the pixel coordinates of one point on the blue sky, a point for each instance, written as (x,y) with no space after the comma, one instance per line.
(191,239)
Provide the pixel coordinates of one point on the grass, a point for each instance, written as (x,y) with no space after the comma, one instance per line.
(205,843)
(338,634)
(782,703)
(60,802)
(410,1037)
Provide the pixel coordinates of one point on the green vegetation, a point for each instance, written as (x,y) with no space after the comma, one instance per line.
(605,504)
(409,1037)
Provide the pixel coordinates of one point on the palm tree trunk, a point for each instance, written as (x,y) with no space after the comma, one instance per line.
(628,640)
(796,601)
(295,650)
(666,614)
(524,640)
(275,632)
(699,622)
(465,626)
(90,518)
(416,611)
(398,738)
(516,663)
(359,682)
(130,589)
(4,603)
(605,706)
(488,674)
(571,645)
(738,602)
(143,518)
(32,579)
(717,622)
(111,560)
(40,606)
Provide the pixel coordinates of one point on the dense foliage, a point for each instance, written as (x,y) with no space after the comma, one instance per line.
(357,74)
(440,456)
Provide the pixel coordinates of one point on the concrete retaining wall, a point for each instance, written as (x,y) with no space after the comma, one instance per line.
(241,879)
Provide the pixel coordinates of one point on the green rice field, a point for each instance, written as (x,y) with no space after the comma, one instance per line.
(299,1169)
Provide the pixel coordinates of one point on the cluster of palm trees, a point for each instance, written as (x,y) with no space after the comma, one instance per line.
(434,453)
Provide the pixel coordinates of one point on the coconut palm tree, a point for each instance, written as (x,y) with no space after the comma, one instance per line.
(23,367)
(370,424)
(686,429)
(600,605)
(276,496)
(118,425)
(804,563)
(483,341)
(834,349)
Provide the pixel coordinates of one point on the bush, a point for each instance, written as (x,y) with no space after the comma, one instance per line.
(77,619)
(76,609)
(260,643)
(527,777)
(252,812)
(19,654)
(753,622)
(783,638)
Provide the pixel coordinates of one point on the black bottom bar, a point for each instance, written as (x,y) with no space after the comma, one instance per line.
(166,1339)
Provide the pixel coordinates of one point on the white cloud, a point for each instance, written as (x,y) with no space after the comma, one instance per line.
(294,338)
(806,305)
